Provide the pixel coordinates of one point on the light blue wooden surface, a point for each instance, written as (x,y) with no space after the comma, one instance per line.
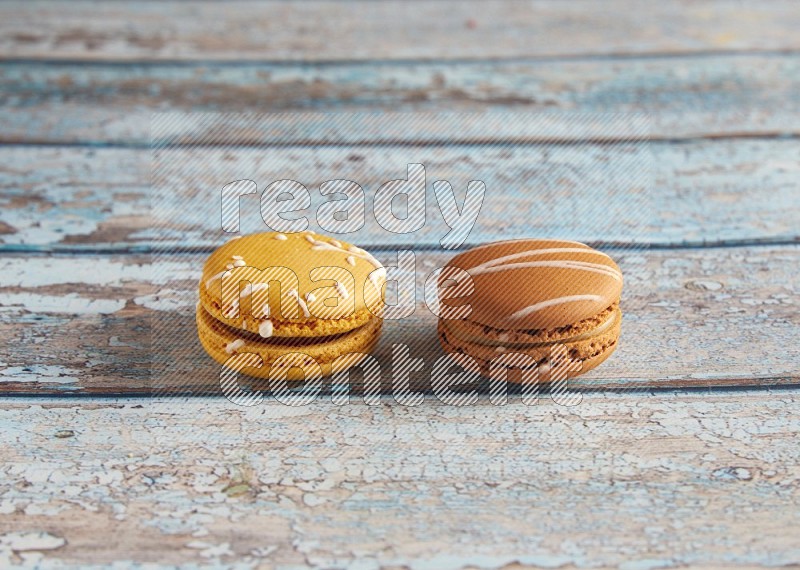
(646,476)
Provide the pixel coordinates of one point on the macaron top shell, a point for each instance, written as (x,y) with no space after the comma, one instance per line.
(293,277)
(538,284)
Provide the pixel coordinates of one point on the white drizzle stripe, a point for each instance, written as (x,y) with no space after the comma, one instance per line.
(579,265)
(265,329)
(250,289)
(532,252)
(233,346)
(293,293)
(375,277)
(514,241)
(351,260)
(233,309)
(357,251)
(237,257)
(281,237)
(342,290)
(211,280)
(551,303)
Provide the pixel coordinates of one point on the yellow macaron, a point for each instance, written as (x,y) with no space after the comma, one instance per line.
(273,294)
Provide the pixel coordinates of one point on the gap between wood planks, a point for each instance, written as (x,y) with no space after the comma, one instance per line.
(436,143)
(88,144)
(777,385)
(608,246)
(199,62)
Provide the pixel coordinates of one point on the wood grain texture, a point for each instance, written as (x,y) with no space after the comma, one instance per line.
(619,481)
(639,477)
(692,318)
(68,199)
(330,31)
(707,96)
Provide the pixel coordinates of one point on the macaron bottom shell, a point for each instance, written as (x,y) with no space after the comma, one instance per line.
(222,342)
(587,349)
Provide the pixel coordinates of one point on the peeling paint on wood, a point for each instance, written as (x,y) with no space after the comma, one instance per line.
(702,192)
(621,480)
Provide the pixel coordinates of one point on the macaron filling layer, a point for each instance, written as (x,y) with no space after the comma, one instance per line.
(582,347)
(294,328)
(222,341)
(492,336)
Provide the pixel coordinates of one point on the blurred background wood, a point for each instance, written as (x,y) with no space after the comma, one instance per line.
(365,31)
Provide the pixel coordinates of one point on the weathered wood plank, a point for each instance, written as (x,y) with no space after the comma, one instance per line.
(701,192)
(684,97)
(330,31)
(693,318)
(619,481)
(56,195)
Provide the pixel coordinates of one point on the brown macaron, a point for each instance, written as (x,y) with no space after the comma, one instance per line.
(536,304)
